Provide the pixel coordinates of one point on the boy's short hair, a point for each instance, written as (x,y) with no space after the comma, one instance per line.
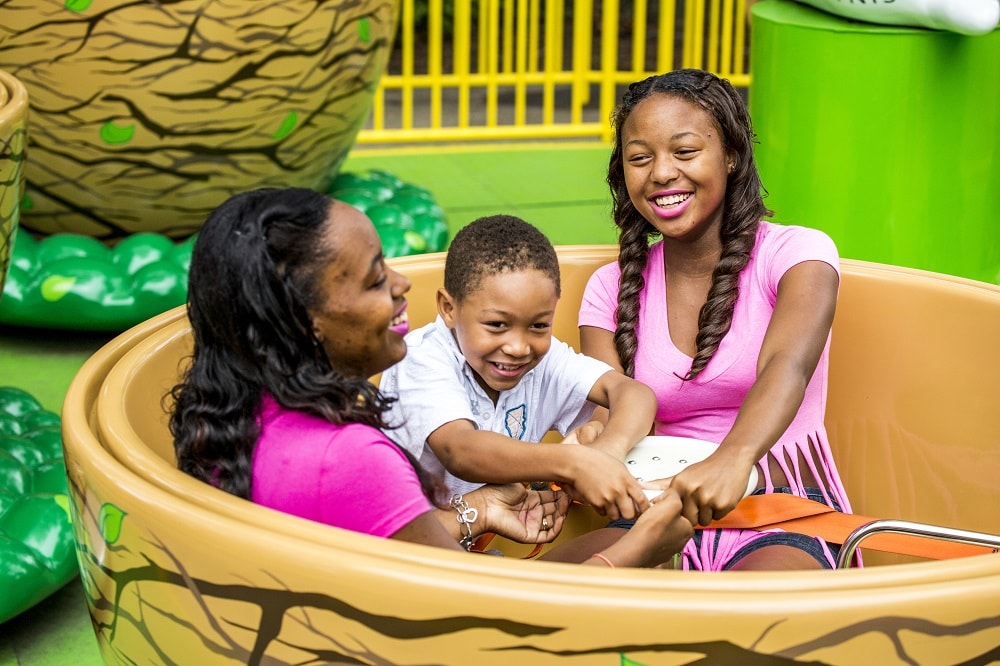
(496,244)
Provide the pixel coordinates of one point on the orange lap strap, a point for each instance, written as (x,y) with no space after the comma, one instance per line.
(797,514)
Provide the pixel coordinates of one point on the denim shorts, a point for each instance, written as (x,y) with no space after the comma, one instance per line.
(801,541)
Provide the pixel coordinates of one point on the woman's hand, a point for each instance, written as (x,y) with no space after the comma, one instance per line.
(520,514)
(658,535)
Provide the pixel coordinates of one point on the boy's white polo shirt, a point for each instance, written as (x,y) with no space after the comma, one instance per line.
(434,385)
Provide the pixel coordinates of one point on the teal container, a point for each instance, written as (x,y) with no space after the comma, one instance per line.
(886,138)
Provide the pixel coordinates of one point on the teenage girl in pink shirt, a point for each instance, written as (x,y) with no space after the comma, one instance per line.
(725,316)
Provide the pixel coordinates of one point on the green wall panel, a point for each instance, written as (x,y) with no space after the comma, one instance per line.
(886,138)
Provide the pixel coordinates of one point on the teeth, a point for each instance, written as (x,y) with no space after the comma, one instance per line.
(671,200)
(399,319)
(507,368)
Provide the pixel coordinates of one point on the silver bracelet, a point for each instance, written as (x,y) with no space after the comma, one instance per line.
(466,516)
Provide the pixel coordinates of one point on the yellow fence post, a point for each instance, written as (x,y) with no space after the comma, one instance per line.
(518,46)
(665,32)
(583,47)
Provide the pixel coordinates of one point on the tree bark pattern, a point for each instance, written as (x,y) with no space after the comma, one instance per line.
(147,114)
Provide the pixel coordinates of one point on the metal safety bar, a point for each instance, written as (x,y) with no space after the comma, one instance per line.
(908,528)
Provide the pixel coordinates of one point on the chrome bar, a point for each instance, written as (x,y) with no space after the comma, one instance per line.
(852,542)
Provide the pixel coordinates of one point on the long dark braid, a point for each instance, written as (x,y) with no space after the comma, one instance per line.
(742,211)
(633,254)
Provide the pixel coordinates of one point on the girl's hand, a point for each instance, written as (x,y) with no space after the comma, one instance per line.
(711,488)
(523,515)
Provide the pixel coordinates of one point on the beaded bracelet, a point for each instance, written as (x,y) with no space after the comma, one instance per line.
(466,516)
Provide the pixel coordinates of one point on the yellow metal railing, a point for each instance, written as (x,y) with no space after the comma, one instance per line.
(523,69)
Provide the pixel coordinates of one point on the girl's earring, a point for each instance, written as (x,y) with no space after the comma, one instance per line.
(732,167)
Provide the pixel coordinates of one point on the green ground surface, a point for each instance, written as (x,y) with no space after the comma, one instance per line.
(558,187)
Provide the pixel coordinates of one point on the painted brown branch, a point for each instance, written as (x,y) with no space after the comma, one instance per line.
(710,653)
(891,627)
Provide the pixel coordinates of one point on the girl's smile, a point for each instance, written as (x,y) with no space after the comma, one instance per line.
(672,203)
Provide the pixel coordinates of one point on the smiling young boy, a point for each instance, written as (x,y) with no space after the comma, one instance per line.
(481,385)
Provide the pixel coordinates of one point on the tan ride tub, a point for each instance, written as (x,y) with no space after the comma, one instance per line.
(176,571)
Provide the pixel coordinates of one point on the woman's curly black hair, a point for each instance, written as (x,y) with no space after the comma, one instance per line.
(253,279)
(742,211)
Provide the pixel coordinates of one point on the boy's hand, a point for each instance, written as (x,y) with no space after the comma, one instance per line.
(584,434)
(593,434)
(603,482)
(523,515)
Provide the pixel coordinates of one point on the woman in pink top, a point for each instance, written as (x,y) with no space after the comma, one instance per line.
(727,317)
(293,308)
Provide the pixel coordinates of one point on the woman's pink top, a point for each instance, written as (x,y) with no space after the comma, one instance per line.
(706,407)
(348,476)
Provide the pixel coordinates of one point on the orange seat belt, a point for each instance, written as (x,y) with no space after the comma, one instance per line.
(792,513)
(797,514)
